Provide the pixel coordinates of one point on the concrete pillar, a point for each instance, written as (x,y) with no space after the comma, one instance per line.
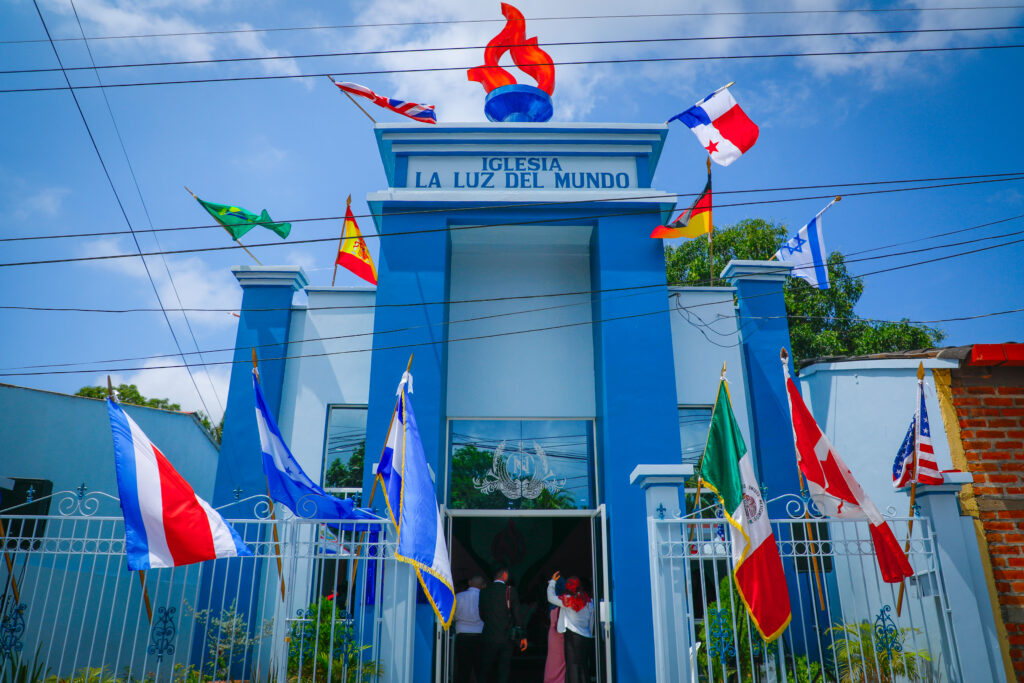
(265,319)
(977,643)
(637,418)
(670,600)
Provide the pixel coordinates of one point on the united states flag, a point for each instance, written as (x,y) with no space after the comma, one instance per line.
(424,113)
(927,467)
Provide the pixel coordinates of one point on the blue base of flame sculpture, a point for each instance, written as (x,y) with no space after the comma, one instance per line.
(516,102)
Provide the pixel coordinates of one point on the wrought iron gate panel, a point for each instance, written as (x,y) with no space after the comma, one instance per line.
(844,625)
(70,609)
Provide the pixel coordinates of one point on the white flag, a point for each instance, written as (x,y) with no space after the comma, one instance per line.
(806,251)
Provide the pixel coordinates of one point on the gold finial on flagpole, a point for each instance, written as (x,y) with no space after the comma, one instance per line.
(920,370)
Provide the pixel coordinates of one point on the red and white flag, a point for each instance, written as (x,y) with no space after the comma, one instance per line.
(834,489)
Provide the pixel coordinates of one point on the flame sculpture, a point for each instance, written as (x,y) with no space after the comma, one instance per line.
(507,100)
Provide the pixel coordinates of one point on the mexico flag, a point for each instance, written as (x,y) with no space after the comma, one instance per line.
(352,251)
(728,469)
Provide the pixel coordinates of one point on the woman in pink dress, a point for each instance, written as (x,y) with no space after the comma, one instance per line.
(554,667)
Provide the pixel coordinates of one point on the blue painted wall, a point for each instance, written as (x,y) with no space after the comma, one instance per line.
(637,418)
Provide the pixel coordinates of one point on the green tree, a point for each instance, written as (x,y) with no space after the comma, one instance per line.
(821,322)
(130,394)
(347,475)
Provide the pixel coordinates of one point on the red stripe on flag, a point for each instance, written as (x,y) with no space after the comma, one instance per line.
(186,525)
(762,585)
(357,266)
(737,128)
(891,560)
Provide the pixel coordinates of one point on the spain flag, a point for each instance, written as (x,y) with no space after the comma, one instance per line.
(693,222)
(352,251)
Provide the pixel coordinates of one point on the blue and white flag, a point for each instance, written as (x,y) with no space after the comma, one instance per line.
(287,482)
(412,504)
(807,252)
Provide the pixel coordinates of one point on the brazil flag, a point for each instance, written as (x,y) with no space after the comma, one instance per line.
(239,221)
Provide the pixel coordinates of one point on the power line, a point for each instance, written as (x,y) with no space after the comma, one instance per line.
(559,202)
(936,235)
(846,259)
(437,69)
(120,205)
(541,329)
(453,228)
(149,220)
(661,15)
(574,43)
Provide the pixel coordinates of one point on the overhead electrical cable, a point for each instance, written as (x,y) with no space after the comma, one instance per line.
(846,260)
(581,62)
(149,220)
(619,198)
(573,43)
(124,213)
(454,228)
(503,334)
(590,17)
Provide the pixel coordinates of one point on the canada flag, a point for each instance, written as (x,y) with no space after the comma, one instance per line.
(834,489)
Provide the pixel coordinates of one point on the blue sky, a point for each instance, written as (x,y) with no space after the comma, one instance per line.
(297,148)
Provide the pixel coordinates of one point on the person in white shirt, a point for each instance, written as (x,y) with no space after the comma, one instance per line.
(576,621)
(468,627)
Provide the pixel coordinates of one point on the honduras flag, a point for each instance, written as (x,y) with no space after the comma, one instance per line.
(807,252)
(286,481)
(412,504)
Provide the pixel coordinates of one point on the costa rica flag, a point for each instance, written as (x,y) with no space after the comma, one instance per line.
(723,129)
(165,523)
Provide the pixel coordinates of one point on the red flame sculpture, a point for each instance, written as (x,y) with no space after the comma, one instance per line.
(525,53)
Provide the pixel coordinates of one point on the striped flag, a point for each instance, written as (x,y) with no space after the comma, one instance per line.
(352,251)
(424,113)
(727,468)
(834,489)
(693,222)
(412,504)
(165,523)
(917,447)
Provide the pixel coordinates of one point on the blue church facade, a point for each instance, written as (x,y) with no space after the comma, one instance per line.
(515,267)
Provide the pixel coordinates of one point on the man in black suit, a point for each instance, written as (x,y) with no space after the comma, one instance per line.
(499,609)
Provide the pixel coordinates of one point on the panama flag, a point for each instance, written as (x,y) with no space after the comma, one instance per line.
(916,455)
(165,523)
(727,468)
(834,489)
(412,504)
(352,251)
(721,126)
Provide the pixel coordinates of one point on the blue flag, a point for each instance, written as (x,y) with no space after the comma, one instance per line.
(806,251)
(287,482)
(412,504)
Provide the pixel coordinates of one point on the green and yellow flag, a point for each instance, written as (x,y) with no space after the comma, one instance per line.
(239,221)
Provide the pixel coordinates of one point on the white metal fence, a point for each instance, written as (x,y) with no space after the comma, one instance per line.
(844,626)
(305,606)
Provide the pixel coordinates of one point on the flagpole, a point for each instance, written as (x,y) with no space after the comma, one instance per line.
(711,227)
(353,100)
(229,232)
(273,515)
(373,489)
(913,482)
(142,572)
(341,240)
(807,525)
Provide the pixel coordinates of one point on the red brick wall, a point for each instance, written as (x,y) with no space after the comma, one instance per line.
(989,402)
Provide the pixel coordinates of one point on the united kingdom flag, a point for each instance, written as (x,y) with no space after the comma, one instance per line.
(424,113)
(927,467)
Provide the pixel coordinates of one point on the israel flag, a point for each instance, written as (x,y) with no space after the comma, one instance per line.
(287,482)
(412,504)
(807,252)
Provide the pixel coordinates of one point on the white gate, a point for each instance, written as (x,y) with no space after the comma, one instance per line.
(845,625)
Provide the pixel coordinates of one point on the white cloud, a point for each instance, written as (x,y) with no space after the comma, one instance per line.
(176,385)
(45,202)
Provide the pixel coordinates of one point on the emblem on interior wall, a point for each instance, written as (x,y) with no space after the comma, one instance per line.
(519,475)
